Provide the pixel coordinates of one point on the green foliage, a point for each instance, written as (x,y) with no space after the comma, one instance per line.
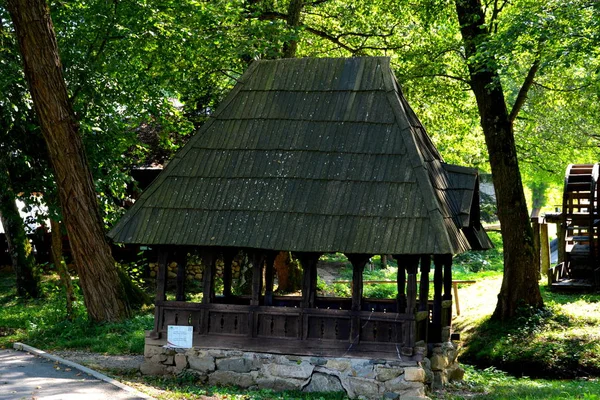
(480,261)
(42,322)
(491,383)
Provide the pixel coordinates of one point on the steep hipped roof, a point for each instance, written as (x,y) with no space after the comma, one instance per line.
(307,154)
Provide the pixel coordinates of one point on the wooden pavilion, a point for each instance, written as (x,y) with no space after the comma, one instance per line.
(311,156)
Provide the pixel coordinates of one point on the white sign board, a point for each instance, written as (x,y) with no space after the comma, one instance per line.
(179,336)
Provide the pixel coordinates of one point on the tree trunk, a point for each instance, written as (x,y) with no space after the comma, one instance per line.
(293,21)
(103,292)
(19,247)
(61,266)
(519,284)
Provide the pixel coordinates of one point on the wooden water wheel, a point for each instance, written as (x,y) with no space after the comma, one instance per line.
(580,220)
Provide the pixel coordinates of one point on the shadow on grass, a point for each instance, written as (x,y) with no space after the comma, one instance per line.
(537,344)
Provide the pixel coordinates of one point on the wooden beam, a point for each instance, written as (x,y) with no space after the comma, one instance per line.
(537,249)
(401,284)
(424,284)
(436,323)
(181,265)
(561,236)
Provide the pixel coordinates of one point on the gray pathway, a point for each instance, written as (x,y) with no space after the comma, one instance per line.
(25,376)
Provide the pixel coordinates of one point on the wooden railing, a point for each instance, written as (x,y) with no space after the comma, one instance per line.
(558,272)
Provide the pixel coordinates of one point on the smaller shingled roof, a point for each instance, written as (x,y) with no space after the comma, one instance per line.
(316,155)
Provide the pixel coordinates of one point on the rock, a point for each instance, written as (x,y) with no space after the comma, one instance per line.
(236,364)
(338,365)
(439,380)
(390,395)
(414,374)
(362,368)
(298,371)
(150,368)
(455,373)
(150,350)
(364,387)
(400,384)
(198,276)
(202,363)
(438,362)
(159,358)
(180,363)
(324,383)
(228,378)
(318,361)
(385,373)
(171,275)
(279,384)
(426,365)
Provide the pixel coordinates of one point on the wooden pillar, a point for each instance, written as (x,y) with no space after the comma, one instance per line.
(561,236)
(358,266)
(544,248)
(269,271)
(228,256)
(401,284)
(436,323)
(208,282)
(181,265)
(424,284)
(535,226)
(309,278)
(447,260)
(161,275)
(257,279)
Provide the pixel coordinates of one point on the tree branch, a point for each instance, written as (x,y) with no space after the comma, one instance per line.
(522,96)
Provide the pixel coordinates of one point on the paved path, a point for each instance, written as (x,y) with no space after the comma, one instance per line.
(25,376)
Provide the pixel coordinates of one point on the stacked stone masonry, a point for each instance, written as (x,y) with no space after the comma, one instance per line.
(194,269)
(357,377)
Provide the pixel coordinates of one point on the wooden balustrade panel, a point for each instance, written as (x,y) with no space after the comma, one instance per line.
(374,330)
(278,325)
(328,327)
(227,322)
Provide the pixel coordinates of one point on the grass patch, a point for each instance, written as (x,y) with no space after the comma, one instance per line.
(494,384)
(42,322)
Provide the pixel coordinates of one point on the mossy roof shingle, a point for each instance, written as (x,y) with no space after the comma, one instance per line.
(307,154)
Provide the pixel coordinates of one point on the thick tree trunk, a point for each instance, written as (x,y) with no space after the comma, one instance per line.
(103,291)
(519,284)
(61,266)
(19,247)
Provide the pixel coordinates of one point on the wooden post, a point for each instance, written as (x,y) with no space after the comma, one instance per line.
(208,282)
(257,279)
(535,225)
(161,275)
(447,260)
(358,266)
(424,284)
(309,278)
(561,234)
(228,256)
(181,265)
(269,261)
(401,283)
(436,324)
(544,248)
(412,264)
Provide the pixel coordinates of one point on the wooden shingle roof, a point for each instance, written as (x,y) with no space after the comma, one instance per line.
(306,154)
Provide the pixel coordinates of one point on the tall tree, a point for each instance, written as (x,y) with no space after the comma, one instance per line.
(103,291)
(519,284)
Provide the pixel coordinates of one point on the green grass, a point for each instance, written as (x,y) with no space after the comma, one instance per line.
(494,384)
(186,387)
(42,323)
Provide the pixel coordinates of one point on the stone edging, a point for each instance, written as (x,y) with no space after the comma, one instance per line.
(95,374)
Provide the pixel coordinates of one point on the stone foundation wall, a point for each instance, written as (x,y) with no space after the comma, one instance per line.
(358,378)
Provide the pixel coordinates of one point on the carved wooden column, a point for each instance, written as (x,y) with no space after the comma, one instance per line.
(208,282)
(228,256)
(309,278)
(401,284)
(436,324)
(424,284)
(161,290)
(358,265)
(412,264)
(181,266)
(269,271)
(447,277)
(257,279)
